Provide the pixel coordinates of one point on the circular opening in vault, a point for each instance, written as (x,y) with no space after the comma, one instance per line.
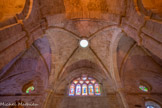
(84,43)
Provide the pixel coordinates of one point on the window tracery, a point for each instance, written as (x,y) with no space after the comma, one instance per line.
(144,86)
(84,86)
(28,87)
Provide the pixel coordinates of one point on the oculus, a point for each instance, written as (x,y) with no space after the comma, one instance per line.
(144,86)
(84,43)
(28,87)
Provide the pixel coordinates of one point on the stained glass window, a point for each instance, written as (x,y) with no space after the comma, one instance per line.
(97,89)
(150,106)
(78,89)
(87,81)
(30,89)
(81,82)
(84,86)
(84,78)
(93,81)
(75,81)
(90,78)
(84,89)
(90,89)
(71,91)
(143,88)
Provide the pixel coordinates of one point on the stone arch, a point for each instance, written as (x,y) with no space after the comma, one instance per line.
(26,11)
(18,15)
(77,69)
(149,8)
(114,65)
(136,64)
(59,92)
(10,8)
(32,65)
(153,5)
(154,101)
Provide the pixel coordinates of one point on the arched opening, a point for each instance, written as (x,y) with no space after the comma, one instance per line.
(83,83)
(152,104)
(28,87)
(84,86)
(144,86)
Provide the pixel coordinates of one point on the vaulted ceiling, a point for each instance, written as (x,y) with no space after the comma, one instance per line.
(124,40)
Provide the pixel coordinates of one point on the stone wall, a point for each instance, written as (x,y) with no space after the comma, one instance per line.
(138,57)
(32,65)
(136,65)
(18,33)
(109,101)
